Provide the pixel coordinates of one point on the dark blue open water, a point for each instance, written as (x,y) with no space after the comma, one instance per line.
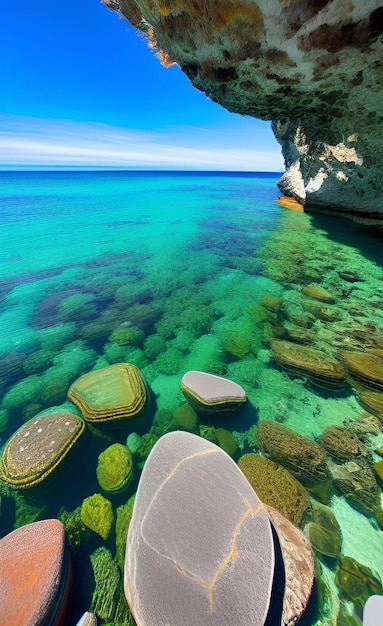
(186,258)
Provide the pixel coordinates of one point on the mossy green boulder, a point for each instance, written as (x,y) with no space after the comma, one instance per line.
(226,441)
(276,486)
(304,458)
(356,581)
(187,419)
(97,514)
(324,531)
(127,336)
(115,468)
(237,346)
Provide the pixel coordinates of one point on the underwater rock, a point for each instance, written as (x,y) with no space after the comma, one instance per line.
(153,346)
(163,422)
(372,401)
(107,578)
(237,346)
(226,441)
(97,514)
(275,486)
(123,518)
(199,540)
(24,392)
(324,531)
(304,458)
(298,560)
(272,303)
(38,362)
(56,383)
(114,468)
(75,530)
(356,581)
(297,333)
(211,394)
(38,448)
(356,481)
(378,469)
(35,575)
(187,419)
(127,336)
(12,368)
(147,442)
(366,369)
(111,394)
(321,369)
(318,292)
(88,619)
(208,433)
(342,443)
(77,306)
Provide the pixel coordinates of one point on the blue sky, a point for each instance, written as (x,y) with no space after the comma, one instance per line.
(80,88)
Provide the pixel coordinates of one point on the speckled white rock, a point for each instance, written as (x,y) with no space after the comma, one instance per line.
(200,548)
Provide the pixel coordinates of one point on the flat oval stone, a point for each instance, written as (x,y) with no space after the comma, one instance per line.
(35,575)
(199,542)
(373,611)
(321,369)
(318,292)
(111,393)
(208,393)
(38,448)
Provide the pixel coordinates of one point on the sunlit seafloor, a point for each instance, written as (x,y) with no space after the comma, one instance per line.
(206,271)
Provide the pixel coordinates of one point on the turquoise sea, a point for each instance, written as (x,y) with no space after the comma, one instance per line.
(206,270)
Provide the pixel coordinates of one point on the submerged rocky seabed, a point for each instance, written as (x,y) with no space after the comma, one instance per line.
(297,322)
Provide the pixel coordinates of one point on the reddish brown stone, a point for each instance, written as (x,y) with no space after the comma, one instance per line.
(34,575)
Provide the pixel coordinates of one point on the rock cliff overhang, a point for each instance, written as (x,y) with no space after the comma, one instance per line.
(312,66)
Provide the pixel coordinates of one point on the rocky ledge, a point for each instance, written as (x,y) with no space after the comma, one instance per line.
(312,67)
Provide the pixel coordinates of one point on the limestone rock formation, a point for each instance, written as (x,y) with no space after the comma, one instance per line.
(312,67)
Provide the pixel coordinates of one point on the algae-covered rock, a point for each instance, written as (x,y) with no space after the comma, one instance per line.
(318,292)
(56,383)
(304,458)
(378,469)
(123,517)
(226,441)
(356,581)
(97,514)
(208,433)
(38,361)
(169,362)
(276,486)
(24,392)
(75,529)
(147,441)
(114,468)
(164,421)
(186,419)
(107,579)
(57,337)
(272,303)
(153,346)
(342,443)
(237,346)
(77,306)
(324,531)
(127,336)
(357,482)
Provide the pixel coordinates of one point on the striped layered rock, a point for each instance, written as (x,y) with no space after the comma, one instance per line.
(35,575)
(365,369)
(201,547)
(304,458)
(210,394)
(37,449)
(111,394)
(342,443)
(318,367)
(372,401)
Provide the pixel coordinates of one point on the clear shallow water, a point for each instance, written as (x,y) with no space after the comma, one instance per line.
(187,258)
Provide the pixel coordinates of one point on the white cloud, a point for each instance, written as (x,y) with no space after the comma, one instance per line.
(33,142)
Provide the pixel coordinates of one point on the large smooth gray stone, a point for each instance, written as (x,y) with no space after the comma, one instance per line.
(373,611)
(200,549)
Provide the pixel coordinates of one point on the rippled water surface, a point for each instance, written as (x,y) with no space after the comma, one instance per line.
(208,271)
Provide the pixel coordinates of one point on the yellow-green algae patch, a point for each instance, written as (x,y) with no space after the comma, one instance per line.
(114,468)
(97,514)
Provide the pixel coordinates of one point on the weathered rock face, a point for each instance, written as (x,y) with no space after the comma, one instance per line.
(313,67)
